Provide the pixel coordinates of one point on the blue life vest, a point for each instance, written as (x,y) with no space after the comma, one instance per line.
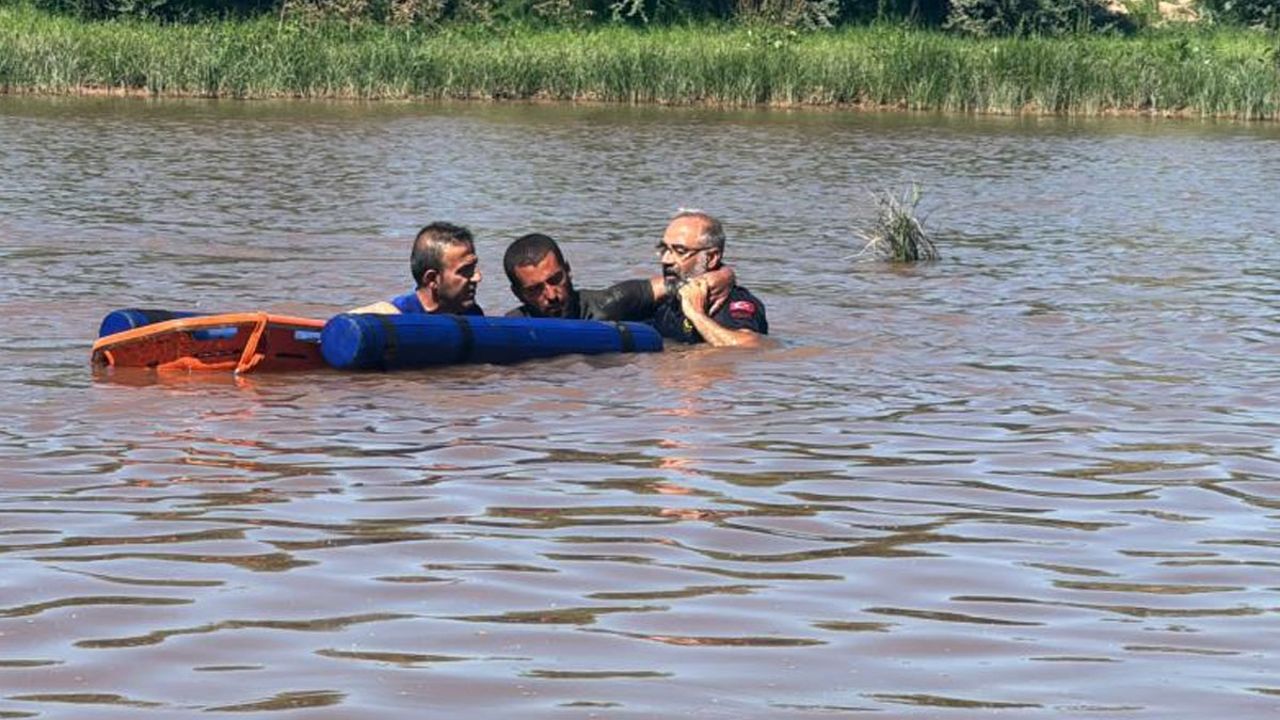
(410,304)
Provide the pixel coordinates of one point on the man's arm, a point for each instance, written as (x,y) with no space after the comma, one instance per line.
(378,308)
(628,300)
(639,299)
(693,298)
(719,282)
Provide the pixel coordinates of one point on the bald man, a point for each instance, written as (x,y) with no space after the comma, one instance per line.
(692,247)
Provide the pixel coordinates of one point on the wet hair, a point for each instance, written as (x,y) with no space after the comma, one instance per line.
(712,234)
(529,250)
(429,245)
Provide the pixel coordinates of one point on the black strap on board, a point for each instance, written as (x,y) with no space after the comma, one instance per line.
(468,344)
(390,349)
(628,340)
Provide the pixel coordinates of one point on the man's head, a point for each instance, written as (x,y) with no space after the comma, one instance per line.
(444,264)
(692,245)
(539,275)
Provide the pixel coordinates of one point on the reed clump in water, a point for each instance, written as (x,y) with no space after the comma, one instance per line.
(898,234)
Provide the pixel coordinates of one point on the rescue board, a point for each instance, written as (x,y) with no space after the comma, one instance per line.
(261,342)
(239,342)
(393,342)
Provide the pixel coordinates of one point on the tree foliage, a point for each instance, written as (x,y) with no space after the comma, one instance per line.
(1244,12)
(1031,17)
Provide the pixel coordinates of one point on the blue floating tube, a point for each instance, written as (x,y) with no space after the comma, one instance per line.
(128,319)
(390,342)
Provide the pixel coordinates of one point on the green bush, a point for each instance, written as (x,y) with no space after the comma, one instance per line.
(985,18)
(922,12)
(158,9)
(1243,12)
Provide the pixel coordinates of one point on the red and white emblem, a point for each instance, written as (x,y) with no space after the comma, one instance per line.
(741,309)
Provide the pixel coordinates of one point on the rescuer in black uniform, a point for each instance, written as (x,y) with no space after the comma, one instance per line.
(543,283)
(692,249)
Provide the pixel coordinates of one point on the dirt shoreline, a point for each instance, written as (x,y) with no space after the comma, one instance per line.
(1029,110)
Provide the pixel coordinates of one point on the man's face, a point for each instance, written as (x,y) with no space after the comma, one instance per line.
(544,287)
(456,284)
(682,253)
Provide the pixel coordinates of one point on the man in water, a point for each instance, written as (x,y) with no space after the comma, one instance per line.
(445,268)
(543,283)
(693,247)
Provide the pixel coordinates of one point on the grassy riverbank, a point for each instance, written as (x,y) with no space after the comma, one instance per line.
(1201,73)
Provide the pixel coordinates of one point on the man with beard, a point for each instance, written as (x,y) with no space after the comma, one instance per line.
(542,281)
(692,248)
(445,268)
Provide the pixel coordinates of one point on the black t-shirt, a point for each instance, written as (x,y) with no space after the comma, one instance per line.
(628,300)
(741,311)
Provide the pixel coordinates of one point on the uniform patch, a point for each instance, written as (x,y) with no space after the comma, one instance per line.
(741,309)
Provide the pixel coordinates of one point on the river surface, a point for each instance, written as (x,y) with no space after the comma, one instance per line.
(1039,478)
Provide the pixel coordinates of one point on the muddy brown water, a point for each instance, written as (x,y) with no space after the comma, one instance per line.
(1036,479)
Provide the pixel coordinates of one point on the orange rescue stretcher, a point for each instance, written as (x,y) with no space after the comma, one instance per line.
(241,342)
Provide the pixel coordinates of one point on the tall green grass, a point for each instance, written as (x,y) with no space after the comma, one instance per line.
(1220,73)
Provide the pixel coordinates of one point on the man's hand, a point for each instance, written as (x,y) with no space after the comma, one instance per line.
(693,296)
(719,282)
(693,300)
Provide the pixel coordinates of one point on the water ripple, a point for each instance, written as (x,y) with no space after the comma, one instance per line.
(1037,477)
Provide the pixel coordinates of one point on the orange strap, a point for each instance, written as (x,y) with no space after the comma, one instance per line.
(251,357)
